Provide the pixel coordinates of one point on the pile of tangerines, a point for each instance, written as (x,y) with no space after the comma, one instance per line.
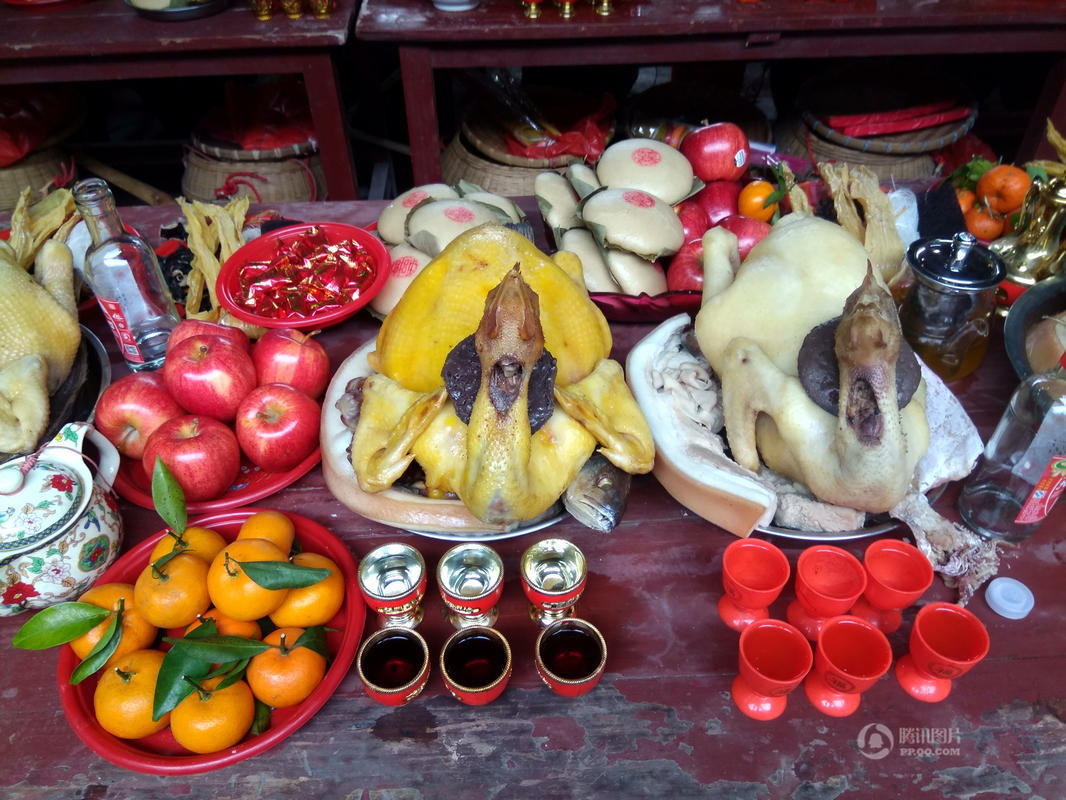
(199,644)
(991,197)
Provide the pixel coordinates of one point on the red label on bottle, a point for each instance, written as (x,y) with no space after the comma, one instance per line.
(116,320)
(1045,493)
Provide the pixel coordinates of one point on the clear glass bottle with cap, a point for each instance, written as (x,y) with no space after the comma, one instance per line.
(1022,471)
(946,314)
(124,274)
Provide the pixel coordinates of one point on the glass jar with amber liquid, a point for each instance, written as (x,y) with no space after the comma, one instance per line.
(946,315)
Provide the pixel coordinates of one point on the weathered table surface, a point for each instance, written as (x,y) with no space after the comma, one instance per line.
(97,40)
(661,722)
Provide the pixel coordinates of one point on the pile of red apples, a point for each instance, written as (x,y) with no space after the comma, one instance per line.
(217,396)
(719,155)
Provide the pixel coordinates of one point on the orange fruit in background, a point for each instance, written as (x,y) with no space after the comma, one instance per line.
(211,719)
(751,202)
(137,633)
(274,526)
(311,605)
(124,695)
(983,223)
(284,675)
(172,596)
(227,626)
(202,542)
(231,590)
(966,198)
(1002,188)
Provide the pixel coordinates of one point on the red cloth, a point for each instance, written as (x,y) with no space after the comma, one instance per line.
(585,138)
(265,116)
(28,116)
(962,152)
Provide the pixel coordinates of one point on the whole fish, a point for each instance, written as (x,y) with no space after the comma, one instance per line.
(597,496)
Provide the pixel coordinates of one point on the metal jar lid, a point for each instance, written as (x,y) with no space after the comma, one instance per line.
(957,263)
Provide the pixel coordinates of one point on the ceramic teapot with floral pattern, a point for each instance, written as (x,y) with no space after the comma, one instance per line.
(60,526)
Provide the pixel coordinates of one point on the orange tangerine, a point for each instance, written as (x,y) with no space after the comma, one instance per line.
(311,605)
(202,542)
(172,596)
(137,633)
(274,526)
(231,590)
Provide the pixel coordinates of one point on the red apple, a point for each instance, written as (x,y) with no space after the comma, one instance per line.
(685,272)
(201,452)
(717,152)
(719,200)
(277,426)
(749,232)
(131,408)
(209,375)
(283,355)
(199,327)
(693,219)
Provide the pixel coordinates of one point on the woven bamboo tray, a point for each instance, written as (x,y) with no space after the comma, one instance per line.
(795,138)
(459,161)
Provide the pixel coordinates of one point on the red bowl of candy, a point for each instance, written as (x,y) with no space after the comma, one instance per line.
(305,276)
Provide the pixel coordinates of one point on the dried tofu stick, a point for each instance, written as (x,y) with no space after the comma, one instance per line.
(229,232)
(32,225)
(253,331)
(194,297)
(203,242)
(797,198)
(1056,140)
(882,241)
(836,179)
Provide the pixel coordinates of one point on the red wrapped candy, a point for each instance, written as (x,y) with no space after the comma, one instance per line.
(306,275)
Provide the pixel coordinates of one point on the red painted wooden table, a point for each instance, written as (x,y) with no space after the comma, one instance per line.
(97,40)
(660,723)
(496,33)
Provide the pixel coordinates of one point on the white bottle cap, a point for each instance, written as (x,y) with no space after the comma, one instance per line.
(1009,598)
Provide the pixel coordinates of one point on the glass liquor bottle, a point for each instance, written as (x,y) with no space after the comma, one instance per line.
(1022,471)
(123,273)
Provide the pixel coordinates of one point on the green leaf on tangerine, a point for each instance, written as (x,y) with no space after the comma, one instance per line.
(168,497)
(58,624)
(261,721)
(171,686)
(313,638)
(101,652)
(218,649)
(282,574)
(233,673)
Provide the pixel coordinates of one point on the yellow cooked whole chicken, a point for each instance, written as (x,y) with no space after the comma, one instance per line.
(39,337)
(492,301)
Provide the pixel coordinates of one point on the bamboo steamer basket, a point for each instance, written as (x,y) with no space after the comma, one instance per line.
(215,172)
(41,170)
(460,161)
(795,138)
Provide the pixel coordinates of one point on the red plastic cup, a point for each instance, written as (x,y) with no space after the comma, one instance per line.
(851,656)
(476,664)
(774,659)
(829,580)
(897,574)
(570,656)
(946,642)
(393,665)
(753,574)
